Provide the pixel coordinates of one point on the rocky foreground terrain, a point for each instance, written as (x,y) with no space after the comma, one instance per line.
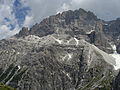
(73,50)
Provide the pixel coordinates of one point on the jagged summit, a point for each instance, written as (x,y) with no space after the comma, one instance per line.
(76,23)
(61,20)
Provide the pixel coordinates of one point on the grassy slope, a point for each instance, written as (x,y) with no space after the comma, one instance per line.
(4,87)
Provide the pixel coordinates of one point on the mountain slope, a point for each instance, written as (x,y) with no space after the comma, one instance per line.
(67,51)
(58,66)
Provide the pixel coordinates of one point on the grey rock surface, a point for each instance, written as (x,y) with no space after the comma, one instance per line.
(54,66)
(67,51)
(78,23)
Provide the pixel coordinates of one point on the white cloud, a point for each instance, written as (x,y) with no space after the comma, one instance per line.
(42,8)
(64,7)
(102,8)
(5,12)
(6,9)
(28,21)
(5,31)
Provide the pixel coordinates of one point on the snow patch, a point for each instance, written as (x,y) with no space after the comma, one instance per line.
(116,56)
(68,41)
(114,48)
(108,58)
(117,59)
(118,39)
(90,32)
(68,56)
(59,41)
(77,41)
(18,52)
(106,24)
(19,67)
(67,74)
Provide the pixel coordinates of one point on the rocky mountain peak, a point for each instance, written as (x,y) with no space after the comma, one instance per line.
(24,32)
(75,23)
(72,50)
(67,19)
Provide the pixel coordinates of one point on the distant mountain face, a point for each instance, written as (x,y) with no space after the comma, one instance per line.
(67,51)
(78,23)
(112,31)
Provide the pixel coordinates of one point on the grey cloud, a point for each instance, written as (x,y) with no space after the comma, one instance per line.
(105,9)
(43,8)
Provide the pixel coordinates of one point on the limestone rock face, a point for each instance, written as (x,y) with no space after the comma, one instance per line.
(78,23)
(24,32)
(116,85)
(54,66)
(112,31)
(113,28)
(67,51)
(118,48)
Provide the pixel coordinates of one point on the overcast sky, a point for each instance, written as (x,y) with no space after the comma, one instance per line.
(14,14)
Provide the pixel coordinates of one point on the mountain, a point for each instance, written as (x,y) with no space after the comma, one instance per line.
(78,23)
(72,50)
